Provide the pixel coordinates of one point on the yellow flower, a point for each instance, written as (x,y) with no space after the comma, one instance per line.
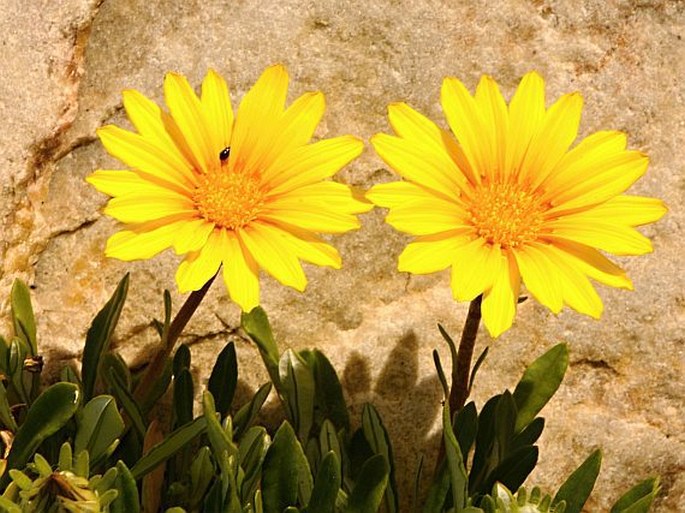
(508,201)
(246,193)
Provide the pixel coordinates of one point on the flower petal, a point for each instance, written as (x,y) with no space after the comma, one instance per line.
(312,163)
(495,117)
(186,109)
(432,253)
(474,266)
(499,303)
(258,115)
(149,206)
(266,244)
(199,266)
(139,153)
(216,106)
(241,273)
(526,112)
(143,241)
(467,124)
(625,210)
(610,237)
(558,130)
(540,275)
(332,196)
(192,235)
(431,169)
(427,217)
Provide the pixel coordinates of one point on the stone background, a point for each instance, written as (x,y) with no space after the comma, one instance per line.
(63,65)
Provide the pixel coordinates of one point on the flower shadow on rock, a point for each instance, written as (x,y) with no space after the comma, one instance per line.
(408,403)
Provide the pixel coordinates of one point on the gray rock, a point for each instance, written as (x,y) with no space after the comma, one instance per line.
(65,63)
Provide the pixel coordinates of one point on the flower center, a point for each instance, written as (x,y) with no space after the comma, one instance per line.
(229,199)
(506,214)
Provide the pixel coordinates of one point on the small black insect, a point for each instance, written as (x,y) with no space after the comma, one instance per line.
(223,155)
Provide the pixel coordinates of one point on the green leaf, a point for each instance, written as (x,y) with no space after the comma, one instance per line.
(329,400)
(328,441)
(181,359)
(159,388)
(201,475)
(530,433)
(466,427)
(128,403)
(218,438)
(69,375)
(22,316)
(19,350)
(256,325)
(99,425)
(539,383)
(127,500)
(184,395)
(297,383)
(514,468)
(113,362)
(639,498)
(285,472)
(99,335)
(437,493)
(248,413)
(252,451)
(367,495)
(379,441)
(576,489)
(6,416)
(7,506)
(326,485)
(170,446)
(224,378)
(455,462)
(48,414)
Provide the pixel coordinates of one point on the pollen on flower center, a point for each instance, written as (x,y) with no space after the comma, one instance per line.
(505,213)
(229,199)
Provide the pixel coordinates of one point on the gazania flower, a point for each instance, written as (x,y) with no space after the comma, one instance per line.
(510,201)
(246,193)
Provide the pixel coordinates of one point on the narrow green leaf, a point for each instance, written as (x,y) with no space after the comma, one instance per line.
(128,403)
(99,425)
(220,441)
(248,413)
(66,457)
(7,506)
(22,315)
(19,350)
(159,388)
(577,488)
(51,410)
(285,473)
(466,428)
(476,367)
(367,495)
(514,468)
(455,462)
(6,416)
(170,446)
(201,475)
(328,441)
(326,485)
(181,359)
(69,375)
(184,395)
(256,325)
(505,422)
(530,433)
(224,378)
(329,399)
(539,383)
(639,498)
(437,493)
(379,441)
(113,362)
(99,335)
(297,384)
(252,451)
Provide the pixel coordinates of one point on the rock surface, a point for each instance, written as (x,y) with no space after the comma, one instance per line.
(65,63)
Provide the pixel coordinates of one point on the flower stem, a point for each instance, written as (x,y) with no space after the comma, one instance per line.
(462,372)
(156,366)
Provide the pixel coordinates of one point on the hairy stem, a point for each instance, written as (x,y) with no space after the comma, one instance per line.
(156,366)
(460,375)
